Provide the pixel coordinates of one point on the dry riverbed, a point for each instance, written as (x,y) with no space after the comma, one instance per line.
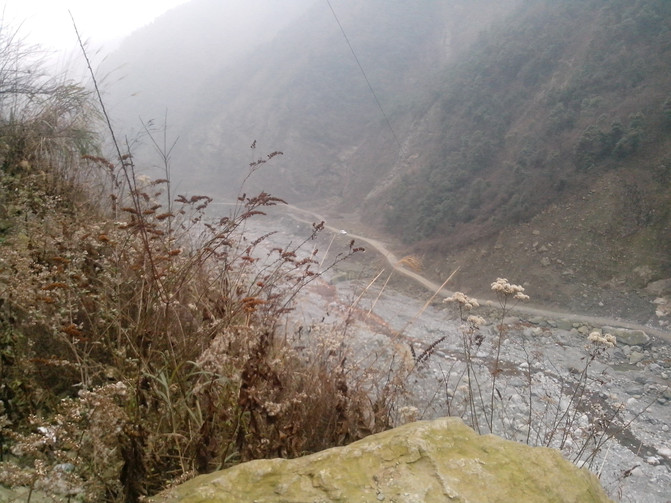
(627,395)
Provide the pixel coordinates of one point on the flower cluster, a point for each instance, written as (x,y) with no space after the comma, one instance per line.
(463,300)
(607,340)
(502,287)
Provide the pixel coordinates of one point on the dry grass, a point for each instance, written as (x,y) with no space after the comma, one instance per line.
(142,339)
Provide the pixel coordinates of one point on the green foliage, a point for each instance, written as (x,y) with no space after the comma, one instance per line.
(526,89)
(617,142)
(561,118)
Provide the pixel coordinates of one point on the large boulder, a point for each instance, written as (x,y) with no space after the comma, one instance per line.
(429,461)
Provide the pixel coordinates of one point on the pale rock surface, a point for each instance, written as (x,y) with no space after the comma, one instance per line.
(628,336)
(429,461)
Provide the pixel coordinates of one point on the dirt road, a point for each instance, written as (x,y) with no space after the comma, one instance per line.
(309,217)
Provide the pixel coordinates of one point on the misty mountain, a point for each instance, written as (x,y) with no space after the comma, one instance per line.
(160,68)
(297,89)
(305,94)
(478,125)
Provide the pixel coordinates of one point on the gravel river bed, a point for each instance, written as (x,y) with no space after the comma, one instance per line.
(581,396)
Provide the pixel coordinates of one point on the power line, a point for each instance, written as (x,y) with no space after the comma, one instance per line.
(363,72)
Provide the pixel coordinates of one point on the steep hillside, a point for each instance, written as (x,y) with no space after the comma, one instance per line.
(480,127)
(531,113)
(552,157)
(305,94)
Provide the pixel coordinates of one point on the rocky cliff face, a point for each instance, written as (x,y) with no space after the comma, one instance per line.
(429,461)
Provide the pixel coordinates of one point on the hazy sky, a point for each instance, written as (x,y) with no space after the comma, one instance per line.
(47,22)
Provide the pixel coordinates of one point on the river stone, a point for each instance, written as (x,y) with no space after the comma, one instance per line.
(563,324)
(428,462)
(628,336)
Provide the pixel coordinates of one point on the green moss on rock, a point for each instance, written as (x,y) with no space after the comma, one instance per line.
(429,461)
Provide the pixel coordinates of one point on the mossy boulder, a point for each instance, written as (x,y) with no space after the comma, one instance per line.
(429,461)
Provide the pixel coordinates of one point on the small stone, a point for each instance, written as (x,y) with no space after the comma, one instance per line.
(634,391)
(635,357)
(533,331)
(564,325)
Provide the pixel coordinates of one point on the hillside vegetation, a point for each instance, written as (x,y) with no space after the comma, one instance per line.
(530,114)
(552,157)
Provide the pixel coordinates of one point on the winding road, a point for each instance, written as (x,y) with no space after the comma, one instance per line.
(309,217)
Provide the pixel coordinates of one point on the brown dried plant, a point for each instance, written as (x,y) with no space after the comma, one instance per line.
(142,339)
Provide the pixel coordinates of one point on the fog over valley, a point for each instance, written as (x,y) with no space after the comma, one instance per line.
(448,127)
(262,229)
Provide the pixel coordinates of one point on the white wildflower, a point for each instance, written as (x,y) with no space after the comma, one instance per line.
(501,285)
(476,321)
(607,340)
(273,409)
(463,300)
